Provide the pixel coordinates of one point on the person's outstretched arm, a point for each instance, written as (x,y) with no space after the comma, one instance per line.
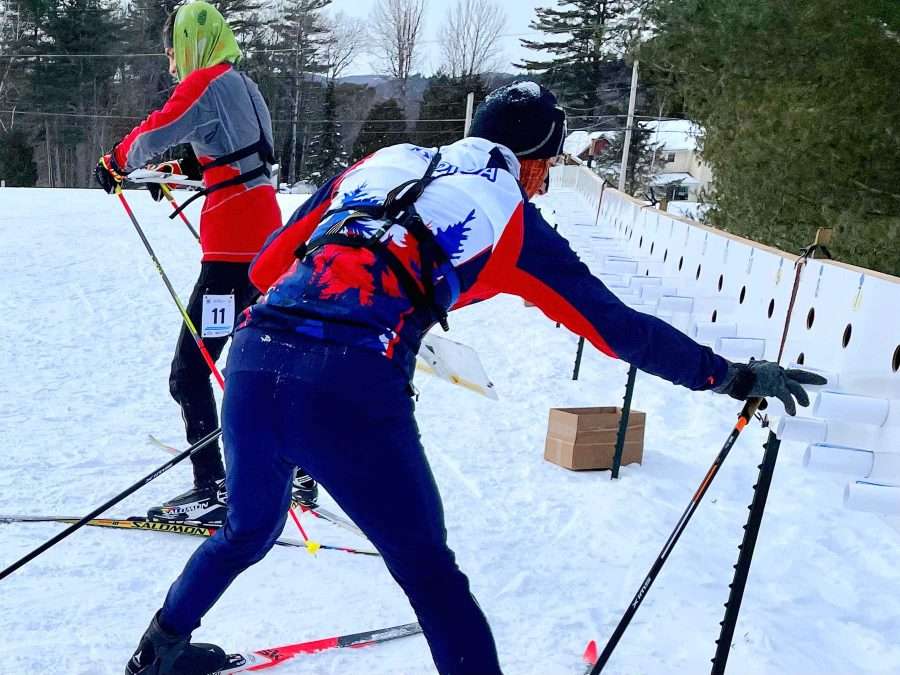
(535,262)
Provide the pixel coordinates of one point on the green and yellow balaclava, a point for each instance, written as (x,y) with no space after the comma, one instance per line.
(201,38)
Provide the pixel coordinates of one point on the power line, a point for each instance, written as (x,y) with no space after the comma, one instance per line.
(562,31)
(308,121)
(46,113)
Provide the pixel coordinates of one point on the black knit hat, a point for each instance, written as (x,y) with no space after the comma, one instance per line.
(525,118)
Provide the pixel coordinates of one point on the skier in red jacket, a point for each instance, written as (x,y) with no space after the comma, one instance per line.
(222,114)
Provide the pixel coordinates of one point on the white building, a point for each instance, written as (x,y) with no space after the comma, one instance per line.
(678,168)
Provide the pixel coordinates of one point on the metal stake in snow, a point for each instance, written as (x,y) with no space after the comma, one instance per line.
(745,557)
(202,443)
(760,490)
(623,422)
(749,410)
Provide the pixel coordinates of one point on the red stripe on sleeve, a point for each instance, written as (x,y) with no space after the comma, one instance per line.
(276,258)
(186,94)
(502,272)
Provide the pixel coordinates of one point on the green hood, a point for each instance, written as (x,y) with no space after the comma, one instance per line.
(201,38)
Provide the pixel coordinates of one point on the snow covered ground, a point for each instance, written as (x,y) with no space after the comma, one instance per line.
(554,556)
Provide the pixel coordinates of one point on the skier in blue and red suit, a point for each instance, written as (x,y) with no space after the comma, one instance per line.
(221,112)
(320,370)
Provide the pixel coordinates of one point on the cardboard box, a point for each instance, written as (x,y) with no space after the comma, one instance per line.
(585,438)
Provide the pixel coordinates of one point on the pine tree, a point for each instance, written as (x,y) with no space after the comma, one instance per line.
(385,125)
(146,82)
(17,165)
(801,134)
(243,17)
(326,151)
(302,33)
(445,99)
(584,38)
(639,171)
(73,85)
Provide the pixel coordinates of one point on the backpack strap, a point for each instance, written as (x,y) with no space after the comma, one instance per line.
(398,209)
(261,148)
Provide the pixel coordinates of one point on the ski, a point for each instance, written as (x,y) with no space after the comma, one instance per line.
(185,528)
(329,517)
(268,658)
(316,511)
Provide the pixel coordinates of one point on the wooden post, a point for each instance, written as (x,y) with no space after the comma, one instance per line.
(470,107)
(823,238)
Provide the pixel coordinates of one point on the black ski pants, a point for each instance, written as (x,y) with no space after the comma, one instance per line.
(189,378)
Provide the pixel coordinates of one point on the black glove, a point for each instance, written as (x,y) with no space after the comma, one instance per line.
(759,379)
(108,173)
(155,189)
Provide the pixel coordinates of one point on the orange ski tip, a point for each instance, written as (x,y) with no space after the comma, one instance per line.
(590,653)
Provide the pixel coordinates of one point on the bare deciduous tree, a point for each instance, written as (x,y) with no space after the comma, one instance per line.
(396,27)
(470,42)
(347,38)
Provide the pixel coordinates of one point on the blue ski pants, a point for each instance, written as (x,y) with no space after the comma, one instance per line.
(346,415)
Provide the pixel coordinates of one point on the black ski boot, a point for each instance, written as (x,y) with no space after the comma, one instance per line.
(305,488)
(162,653)
(205,504)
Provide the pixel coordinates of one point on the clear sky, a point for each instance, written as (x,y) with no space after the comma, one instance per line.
(518,15)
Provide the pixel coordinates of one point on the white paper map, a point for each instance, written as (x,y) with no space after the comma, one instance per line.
(456,363)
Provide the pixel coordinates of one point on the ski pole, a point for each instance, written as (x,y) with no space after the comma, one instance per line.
(202,443)
(184,315)
(168,194)
(746,415)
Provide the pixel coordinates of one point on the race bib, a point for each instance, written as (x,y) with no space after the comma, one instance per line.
(218,316)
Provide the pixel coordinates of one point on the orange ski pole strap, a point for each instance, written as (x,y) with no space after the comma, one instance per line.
(192,329)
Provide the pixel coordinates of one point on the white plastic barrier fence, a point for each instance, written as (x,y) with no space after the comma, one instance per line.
(733,294)
(872,497)
(837,459)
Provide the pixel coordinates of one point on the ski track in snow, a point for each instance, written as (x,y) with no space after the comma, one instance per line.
(553,556)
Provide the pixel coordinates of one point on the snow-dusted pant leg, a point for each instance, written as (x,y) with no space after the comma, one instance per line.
(381,478)
(259,494)
(348,417)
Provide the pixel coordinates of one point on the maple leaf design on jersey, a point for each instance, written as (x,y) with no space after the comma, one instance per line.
(453,237)
(359,196)
(338,270)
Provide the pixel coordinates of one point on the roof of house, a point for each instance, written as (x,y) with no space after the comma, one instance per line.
(674,135)
(685,179)
(579,141)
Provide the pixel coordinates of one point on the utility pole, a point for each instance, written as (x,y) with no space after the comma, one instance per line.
(470,106)
(629,125)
